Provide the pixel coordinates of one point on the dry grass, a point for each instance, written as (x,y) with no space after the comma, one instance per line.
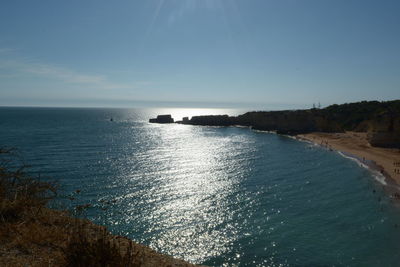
(88,248)
(21,196)
(33,235)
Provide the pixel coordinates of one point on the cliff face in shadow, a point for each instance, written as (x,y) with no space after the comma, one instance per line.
(385,129)
(380,119)
(284,122)
(213,120)
(287,122)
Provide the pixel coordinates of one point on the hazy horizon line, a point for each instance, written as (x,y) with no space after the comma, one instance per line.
(175,104)
(151,104)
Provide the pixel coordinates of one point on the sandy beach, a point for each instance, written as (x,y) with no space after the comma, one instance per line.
(356,144)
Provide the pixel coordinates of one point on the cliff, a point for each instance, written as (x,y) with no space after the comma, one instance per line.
(385,129)
(287,122)
(380,119)
(212,120)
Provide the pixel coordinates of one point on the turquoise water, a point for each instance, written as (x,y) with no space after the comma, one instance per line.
(216,196)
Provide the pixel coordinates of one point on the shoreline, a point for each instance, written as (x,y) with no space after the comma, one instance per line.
(376,159)
(354,145)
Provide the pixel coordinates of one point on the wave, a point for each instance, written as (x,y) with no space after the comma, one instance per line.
(377,175)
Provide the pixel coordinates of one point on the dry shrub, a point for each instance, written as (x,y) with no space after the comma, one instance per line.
(96,247)
(33,235)
(21,197)
(30,231)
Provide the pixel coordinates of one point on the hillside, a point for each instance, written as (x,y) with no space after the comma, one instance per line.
(380,119)
(31,234)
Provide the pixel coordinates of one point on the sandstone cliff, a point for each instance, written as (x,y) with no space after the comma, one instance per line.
(380,119)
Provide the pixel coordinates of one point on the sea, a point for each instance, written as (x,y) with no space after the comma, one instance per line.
(218,196)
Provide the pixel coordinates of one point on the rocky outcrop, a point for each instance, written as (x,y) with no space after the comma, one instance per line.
(380,119)
(384,139)
(384,130)
(211,120)
(162,119)
(283,122)
(185,119)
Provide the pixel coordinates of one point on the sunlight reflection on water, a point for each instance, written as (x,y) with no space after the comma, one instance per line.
(192,199)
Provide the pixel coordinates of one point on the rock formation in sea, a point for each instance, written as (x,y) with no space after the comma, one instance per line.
(162,119)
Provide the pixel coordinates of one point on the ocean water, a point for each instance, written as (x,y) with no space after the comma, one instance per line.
(211,195)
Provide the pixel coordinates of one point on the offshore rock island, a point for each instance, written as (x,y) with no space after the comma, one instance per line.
(162,119)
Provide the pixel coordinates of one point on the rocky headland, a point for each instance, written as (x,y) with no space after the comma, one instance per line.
(380,120)
(367,130)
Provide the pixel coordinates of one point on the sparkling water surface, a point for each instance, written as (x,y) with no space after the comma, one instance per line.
(220,196)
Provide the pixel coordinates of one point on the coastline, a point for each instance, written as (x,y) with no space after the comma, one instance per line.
(355,146)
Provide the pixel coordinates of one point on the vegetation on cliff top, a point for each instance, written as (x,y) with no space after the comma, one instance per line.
(372,116)
(361,116)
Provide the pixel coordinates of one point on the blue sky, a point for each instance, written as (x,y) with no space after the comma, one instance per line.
(248,53)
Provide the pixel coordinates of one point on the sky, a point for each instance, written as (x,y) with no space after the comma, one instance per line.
(224,53)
